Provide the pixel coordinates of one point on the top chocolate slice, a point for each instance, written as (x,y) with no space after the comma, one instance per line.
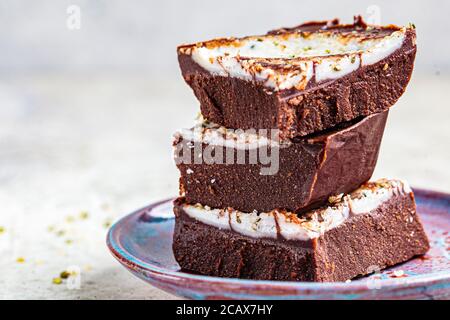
(300,80)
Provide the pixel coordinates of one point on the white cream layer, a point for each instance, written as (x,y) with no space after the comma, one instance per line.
(216,135)
(290,226)
(312,56)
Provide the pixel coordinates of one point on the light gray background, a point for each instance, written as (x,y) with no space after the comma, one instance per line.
(86,118)
(142,35)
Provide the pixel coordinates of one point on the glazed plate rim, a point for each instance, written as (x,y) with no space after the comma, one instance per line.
(134,263)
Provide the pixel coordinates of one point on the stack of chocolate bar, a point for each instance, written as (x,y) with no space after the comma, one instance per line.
(274,176)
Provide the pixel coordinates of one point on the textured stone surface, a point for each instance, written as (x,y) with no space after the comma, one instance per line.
(103,144)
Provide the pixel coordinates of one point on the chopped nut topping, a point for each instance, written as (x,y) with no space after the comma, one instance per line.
(335,199)
(57,281)
(107,223)
(255,224)
(382,183)
(385,67)
(60,233)
(84,215)
(20,260)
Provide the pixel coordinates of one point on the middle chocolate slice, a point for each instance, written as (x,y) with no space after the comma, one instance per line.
(253,170)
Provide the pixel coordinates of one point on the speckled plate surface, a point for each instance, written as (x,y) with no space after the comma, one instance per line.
(142,242)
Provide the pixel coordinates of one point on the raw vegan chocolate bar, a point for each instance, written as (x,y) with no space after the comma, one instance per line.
(302,173)
(372,228)
(300,80)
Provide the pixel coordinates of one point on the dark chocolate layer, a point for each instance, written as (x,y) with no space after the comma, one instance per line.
(310,170)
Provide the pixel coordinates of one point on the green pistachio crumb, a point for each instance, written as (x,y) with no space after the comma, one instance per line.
(57,280)
(84,215)
(60,233)
(20,260)
(107,223)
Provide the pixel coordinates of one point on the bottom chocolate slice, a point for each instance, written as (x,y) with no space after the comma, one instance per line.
(374,227)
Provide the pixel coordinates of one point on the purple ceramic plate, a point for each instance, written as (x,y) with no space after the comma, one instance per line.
(142,242)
